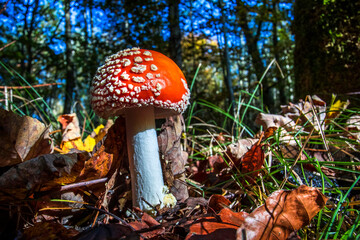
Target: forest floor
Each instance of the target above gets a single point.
(296, 178)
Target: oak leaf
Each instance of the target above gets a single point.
(22, 138)
(283, 213)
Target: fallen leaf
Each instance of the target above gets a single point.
(237, 150)
(71, 136)
(336, 109)
(269, 132)
(97, 135)
(283, 213)
(302, 112)
(228, 216)
(146, 222)
(23, 179)
(108, 231)
(252, 161)
(210, 229)
(22, 138)
(174, 158)
(218, 202)
(109, 156)
(277, 121)
(48, 231)
(216, 163)
(223, 226)
(69, 126)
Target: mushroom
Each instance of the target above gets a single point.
(141, 85)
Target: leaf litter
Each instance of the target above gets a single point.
(84, 192)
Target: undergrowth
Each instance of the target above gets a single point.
(340, 219)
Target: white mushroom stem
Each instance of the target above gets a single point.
(144, 162)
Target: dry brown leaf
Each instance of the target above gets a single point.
(218, 202)
(48, 231)
(283, 213)
(273, 120)
(69, 126)
(302, 112)
(223, 226)
(146, 222)
(237, 150)
(22, 138)
(21, 180)
(107, 231)
(252, 161)
(210, 229)
(71, 135)
(173, 157)
(108, 156)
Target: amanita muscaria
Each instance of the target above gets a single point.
(141, 85)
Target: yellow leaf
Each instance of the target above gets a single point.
(90, 142)
(73, 143)
(336, 108)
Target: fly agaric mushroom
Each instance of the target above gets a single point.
(141, 85)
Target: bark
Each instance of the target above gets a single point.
(70, 72)
(280, 80)
(253, 50)
(226, 60)
(175, 32)
(327, 54)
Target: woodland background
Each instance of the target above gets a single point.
(242, 60)
(230, 42)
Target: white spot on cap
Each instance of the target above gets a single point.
(147, 53)
(153, 67)
(149, 59)
(130, 86)
(158, 86)
(149, 76)
(124, 90)
(117, 71)
(134, 100)
(125, 76)
(137, 89)
(138, 59)
(138, 69)
(138, 79)
(126, 62)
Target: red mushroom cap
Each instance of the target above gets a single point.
(135, 78)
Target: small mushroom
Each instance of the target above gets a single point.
(141, 85)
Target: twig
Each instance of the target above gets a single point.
(297, 158)
(7, 44)
(33, 86)
(4, 7)
(111, 214)
(320, 129)
(82, 184)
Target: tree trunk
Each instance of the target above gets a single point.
(70, 73)
(280, 80)
(175, 32)
(226, 60)
(327, 55)
(253, 51)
